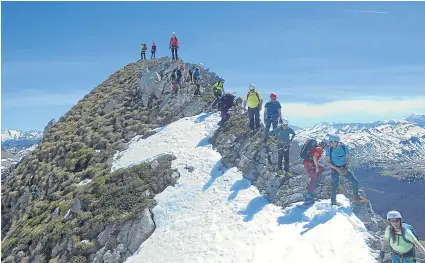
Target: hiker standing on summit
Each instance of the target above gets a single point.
(338, 157)
(402, 239)
(153, 50)
(174, 45)
(143, 53)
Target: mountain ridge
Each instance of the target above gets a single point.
(64, 202)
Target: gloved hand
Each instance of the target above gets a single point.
(382, 255)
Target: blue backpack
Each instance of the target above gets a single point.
(197, 72)
(406, 226)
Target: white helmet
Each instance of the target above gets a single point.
(174, 33)
(393, 215)
(251, 87)
(284, 121)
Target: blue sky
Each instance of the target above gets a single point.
(327, 61)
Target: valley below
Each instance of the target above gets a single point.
(390, 193)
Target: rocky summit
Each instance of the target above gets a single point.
(64, 203)
(50, 213)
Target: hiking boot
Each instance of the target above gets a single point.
(335, 203)
(280, 172)
(288, 174)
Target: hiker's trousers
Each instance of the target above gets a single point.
(335, 183)
(254, 118)
(314, 176)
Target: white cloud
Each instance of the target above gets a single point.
(359, 110)
(39, 99)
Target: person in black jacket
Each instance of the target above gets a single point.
(224, 104)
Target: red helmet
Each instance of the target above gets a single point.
(273, 96)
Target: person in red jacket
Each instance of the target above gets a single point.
(314, 169)
(174, 45)
(153, 50)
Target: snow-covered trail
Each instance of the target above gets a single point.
(211, 216)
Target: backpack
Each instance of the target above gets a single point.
(256, 93)
(343, 147)
(308, 146)
(407, 226)
(197, 72)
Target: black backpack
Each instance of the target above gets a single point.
(308, 146)
(226, 101)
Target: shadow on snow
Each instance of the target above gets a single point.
(218, 170)
(325, 213)
(239, 185)
(204, 142)
(254, 206)
(202, 118)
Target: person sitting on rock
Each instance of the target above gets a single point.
(176, 78)
(272, 114)
(402, 239)
(314, 169)
(339, 159)
(282, 135)
(224, 104)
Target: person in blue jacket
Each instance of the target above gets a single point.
(272, 114)
(338, 158)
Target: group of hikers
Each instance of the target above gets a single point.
(173, 46)
(193, 76)
(401, 236)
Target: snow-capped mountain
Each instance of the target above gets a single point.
(419, 119)
(15, 144)
(15, 141)
(382, 141)
(20, 135)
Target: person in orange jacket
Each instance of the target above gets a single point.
(174, 45)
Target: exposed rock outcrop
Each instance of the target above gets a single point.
(49, 214)
(244, 149)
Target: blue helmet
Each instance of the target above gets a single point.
(334, 138)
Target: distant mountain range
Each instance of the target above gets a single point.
(396, 145)
(397, 142)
